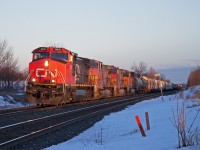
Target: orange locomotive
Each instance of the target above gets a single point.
(59, 76)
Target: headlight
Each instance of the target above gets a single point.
(53, 81)
(33, 80)
(46, 63)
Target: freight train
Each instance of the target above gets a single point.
(59, 76)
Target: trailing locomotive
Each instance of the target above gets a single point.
(59, 76)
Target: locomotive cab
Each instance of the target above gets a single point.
(49, 65)
(50, 70)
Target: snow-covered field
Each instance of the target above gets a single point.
(8, 102)
(119, 130)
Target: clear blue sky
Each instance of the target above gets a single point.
(163, 33)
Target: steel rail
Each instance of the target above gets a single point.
(68, 112)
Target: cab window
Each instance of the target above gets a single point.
(63, 57)
(113, 70)
(40, 55)
(93, 64)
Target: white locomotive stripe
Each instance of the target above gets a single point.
(45, 72)
(39, 75)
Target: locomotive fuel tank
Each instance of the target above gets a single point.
(121, 92)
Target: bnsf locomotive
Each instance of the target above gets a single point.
(59, 76)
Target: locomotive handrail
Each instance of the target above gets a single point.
(27, 80)
(63, 82)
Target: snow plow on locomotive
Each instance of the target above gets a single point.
(58, 76)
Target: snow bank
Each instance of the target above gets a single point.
(8, 102)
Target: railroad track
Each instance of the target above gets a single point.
(14, 116)
(28, 109)
(18, 132)
(17, 110)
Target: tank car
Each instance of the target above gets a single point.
(156, 85)
(140, 85)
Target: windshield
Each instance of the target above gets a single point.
(40, 55)
(60, 56)
(113, 70)
(126, 74)
(93, 64)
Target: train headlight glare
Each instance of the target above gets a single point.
(53, 81)
(33, 80)
(46, 63)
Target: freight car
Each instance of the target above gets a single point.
(59, 76)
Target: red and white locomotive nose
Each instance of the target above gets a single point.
(42, 68)
(43, 72)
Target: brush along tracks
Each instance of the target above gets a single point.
(73, 121)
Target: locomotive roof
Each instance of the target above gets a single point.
(124, 70)
(51, 49)
(89, 59)
(110, 66)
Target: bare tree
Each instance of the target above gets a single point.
(139, 69)
(3, 48)
(186, 136)
(25, 74)
(9, 69)
(151, 73)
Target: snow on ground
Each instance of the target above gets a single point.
(119, 130)
(8, 102)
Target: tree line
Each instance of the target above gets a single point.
(141, 69)
(194, 77)
(11, 77)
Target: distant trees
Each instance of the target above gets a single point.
(139, 69)
(10, 74)
(152, 73)
(194, 77)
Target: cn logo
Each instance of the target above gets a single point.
(41, 72)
